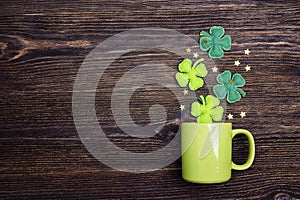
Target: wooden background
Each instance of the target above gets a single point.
(43, 44)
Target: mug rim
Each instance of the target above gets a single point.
(206, 123)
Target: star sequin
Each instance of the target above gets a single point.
(188, 50)
(247, 68)
(196, 55)
(214, 69)
(237, 63)
(182, 107)
(230, 116)
(185, 92)
(247, 52)
(243, 114)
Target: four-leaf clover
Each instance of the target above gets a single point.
(207, 110)
(191, 73)
(230, 86)
(214, 42)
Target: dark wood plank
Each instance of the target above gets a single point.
(43, 44)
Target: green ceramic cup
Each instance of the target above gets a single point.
(207, 150)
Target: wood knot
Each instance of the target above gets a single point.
(11, 47)
(282, 196)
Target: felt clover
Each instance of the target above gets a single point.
(207, 110)
(214, 42)
(191, 73)
(230, 86)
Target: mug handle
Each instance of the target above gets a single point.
(251, 149)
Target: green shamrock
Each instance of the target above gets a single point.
(191, 73)
(207, 110)
(214, 42)
(230, 86)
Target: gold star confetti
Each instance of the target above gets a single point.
(182, 107)
(237, 63)
(196, 55)
(230, 116)
(185, 92)
(243, 114)
(247, 68)
(247, 52)
(214, 69)
(188, 50)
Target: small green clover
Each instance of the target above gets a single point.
(230, 86)
(191, 73)
(214, 42)
(207, 110)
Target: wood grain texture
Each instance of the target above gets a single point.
(43, 44)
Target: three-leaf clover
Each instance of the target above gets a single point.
(229, 86)
(191, 74)
(214, 42)
(207, 110)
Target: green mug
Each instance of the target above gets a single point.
(207, 150)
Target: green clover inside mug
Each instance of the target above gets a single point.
(207, 110)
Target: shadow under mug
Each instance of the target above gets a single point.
(207, 152)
